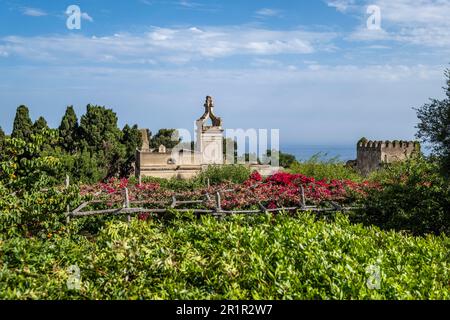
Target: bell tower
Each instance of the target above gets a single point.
(210, 137)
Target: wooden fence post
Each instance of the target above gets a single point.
(303, 199)
(67, 184)
(218, 205)
(127, 203)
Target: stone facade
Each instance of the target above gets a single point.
(371, 155)
(185, 163)
(210, 138)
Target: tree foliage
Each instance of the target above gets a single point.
(131, 139)
(25, 164)
(69, 131)
(167, 137)
(413, 196)
(23, 126)
(39, 125)
(92, 150)
(2, 138)
(434, 126)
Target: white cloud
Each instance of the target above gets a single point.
(266, 12)
(189, 4)
(87, 17)
(341, 5)
(33, 12)
(261, 62)
(169, 44)
(417, 22)
(322, 104)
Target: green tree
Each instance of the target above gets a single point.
(98, 128)
(2, 138)
(25, 164)
(131, 139)
(285, 160)
(39, 125)
(167, 137)
(101, 136)
(434, 126)
(69, 131)
(23, 126)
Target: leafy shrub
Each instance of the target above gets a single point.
(320, 169)
(255, 257)
(24, 164)
(413, 197)
(227, 173)
(36, 213)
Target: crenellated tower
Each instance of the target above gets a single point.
(371, 155)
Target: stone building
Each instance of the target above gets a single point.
(186, 163)
(371, 155)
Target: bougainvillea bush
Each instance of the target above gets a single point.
(279, 190)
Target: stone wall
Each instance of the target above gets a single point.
(371, 155)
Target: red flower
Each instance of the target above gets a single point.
(255, 176)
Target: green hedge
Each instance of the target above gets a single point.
(320, 168)
(228, 173)
(413, 196)
(263, 257)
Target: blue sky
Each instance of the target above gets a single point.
(310, 68)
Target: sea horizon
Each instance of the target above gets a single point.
(304, 152)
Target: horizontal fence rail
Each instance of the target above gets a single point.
(175, 204)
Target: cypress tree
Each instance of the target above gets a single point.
(101, 136)
(98, 128)
(68, 131)
(2, 138)
(2, 134)
(23, 126)
(39, 125)
(131, 139)
(167, 137)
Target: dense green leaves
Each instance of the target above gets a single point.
(228, 173)
(413, 196)
(40, 125)
(92, 151)
(434, 126)
(167, 137)
(69, 131)
(264, 257)
(2, 138)
(131, 139)
(25, 164)
(23, 126)
(327, 169)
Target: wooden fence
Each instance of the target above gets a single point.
(166, 206)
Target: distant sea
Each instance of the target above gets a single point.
(305, 152)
